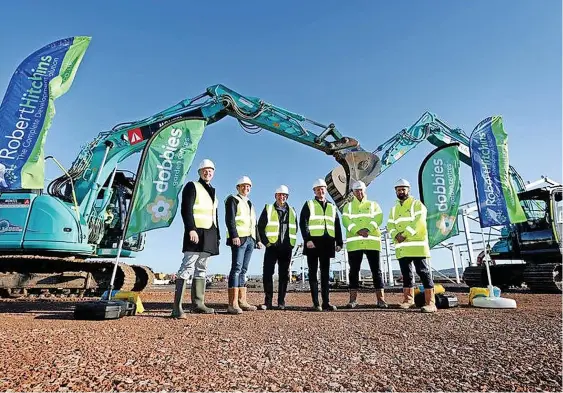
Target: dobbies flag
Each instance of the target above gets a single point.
(164, 165)
(440, 189)
(497, 200)
(27, 110)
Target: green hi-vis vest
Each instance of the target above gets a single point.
(245, 219)
(273, 225)
(319, 220)
(358, 215)
(204, 210)
(410, 219)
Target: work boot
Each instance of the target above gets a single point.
(408, 298)
(430, 301)
(242, 300)
(233, 307)
(198, 297)
(353, 296)
(379, 294)
(177, 311)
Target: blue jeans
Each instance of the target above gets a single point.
(240, 260)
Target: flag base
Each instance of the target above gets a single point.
(493, 302)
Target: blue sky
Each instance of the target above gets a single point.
(370, 67)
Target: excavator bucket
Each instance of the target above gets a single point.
(355, 165)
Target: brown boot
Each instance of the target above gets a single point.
(430, 301)
(379, 294)
(233, 302)
(408, 299)
(353, 296)
(242, 300)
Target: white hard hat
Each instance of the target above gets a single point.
(282, 190)
(244, 180)
(319, 183)
(402, 183)
(359, 185)
(206, 164)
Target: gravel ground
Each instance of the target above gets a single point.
(461, 349)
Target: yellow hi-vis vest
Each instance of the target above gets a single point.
(357, 215)
(204, 210)
(410, 219)
(245, 219)
(273, 225)
(320, 220)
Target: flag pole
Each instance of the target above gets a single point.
(128, 212)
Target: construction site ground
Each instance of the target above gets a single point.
(461, 349)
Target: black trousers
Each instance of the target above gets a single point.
(313, 263)
(421, 269)
(281, 256)
(355, 261)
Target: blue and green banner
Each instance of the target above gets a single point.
(27, 110)
(439, 185)
(165, 162)
(497, 200)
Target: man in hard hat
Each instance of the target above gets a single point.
(407, 228)
(201, 238)
(321, 232)
(362, 218)
(242, 237)
(278, 230)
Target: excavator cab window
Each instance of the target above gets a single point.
(117, 209)
(536, 207)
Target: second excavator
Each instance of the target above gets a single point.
(536, 242)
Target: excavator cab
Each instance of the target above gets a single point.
(355, 164)
(539, 237)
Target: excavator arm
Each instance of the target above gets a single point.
(427, 127)
(96, 164)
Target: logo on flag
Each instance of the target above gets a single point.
(28, 109)
(440, 190)
(135, 136)
(162, 171)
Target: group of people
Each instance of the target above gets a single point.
(276, 230)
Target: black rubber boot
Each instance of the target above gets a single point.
(198, 297)
(177, 311)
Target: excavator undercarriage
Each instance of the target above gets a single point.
(40, 275)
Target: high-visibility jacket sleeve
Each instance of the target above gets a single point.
(419, 222)
(377, 219)
(391, 226)
(347, 221)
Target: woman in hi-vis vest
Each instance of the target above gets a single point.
(243, 238)
(322, 236)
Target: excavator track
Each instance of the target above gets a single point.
(544, 278)
(503, 276)
(144, 278)
(27, 274)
